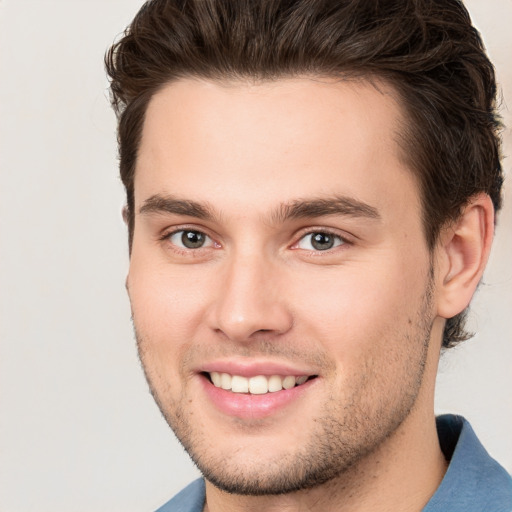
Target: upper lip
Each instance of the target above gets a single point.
(253, 368)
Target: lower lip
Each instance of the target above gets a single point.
(247, 406)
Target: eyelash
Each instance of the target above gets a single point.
(166, 237)
(325, 232)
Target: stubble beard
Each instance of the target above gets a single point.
(343, 436)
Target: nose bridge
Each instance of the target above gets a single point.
(250, 299)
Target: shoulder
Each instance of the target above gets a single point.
(474, 481)
(190, 499)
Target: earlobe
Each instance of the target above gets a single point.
(463, 251)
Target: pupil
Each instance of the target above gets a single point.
(322, 241)
(192, 239)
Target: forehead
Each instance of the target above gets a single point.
(263, 143)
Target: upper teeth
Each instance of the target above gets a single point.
(257, 385)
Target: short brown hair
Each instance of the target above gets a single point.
(427, 50)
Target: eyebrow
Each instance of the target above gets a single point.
(319, 207)
(170, 204)
(296, 209)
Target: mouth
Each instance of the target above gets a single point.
(258, 384)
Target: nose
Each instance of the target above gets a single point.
(250, 300)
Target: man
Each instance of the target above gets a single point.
(311, 194)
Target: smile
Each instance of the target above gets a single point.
(257, 385)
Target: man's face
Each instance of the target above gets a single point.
(278, 243)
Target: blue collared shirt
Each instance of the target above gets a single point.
(474, 481)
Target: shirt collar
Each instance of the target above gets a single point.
(474, 481)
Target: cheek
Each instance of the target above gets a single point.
(361, 313)
(163, 295)
(168, 308)
(346, 298)
(373, 332)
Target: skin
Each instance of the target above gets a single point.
(365, 316)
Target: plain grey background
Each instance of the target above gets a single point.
(79, 431)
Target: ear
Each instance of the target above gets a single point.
(462, 254)
(124, 213)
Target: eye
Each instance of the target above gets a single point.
(190, 239)
(319, 241)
